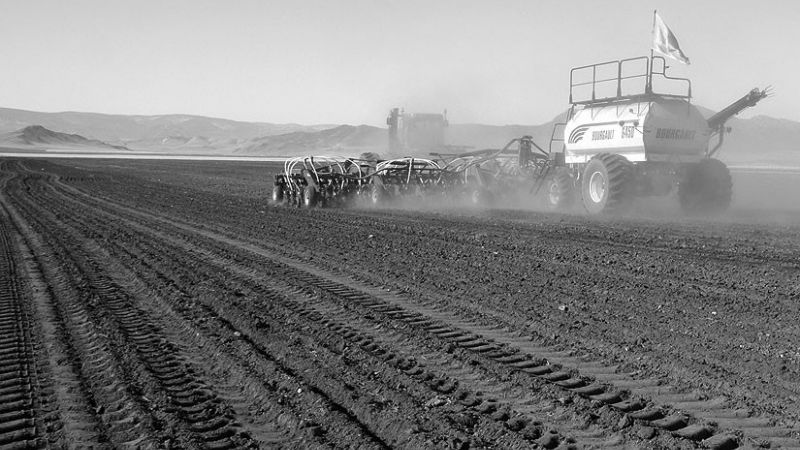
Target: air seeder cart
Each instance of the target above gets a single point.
(632, 131)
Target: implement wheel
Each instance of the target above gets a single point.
(706, 188)
(606, 184)
(378, 194)
(277, 194)
(480, 196)
(560, 190)
(310, 197)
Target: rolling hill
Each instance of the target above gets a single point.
(148, 132)
(345, 139)
(37, 136)
(756, 140)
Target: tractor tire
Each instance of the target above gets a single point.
(277, 194)
(606, 184)
(707, 187)
(560, 190)
(310, 197)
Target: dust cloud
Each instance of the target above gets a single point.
(766, 196)
(759, 197)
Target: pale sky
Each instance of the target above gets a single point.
(350, 61)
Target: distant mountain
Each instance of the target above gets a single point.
(147, 131)
(344, 139)
(763, 140)
(757, 140)
(39, 136)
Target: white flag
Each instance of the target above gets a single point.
(664, 40)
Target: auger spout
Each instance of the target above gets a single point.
(751, 99)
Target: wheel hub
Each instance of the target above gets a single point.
(555, 194)
(597, 187)
(476, 196)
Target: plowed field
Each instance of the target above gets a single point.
(158, 304)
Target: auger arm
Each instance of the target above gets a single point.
(752, 97)
(717, 121)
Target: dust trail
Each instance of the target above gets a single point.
(759, 197)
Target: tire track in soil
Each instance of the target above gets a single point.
(280, 370)
(229, 366)
(206, 424)
(125, 420)
(779, 389)
(756, 429)
(43, 399)
(516, 423)
(702, 431)
(691, 339)
(490, 408)
(401, 226)
(24, 420)
(312, 427)
(436, 380)
(557, 265)
(789, 388)
(279, 427)
(685, 415)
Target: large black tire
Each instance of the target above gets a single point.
(277, 194)
(707, 187)
(606, 185)
(560, 190)
(310, 197)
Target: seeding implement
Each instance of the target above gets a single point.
(319, 180)
(323, 181)
(478, 177)
(520, 167)
(631, 131)
(407, 176)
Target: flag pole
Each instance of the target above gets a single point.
(653, 33)
(652, 40)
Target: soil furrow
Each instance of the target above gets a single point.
(587, 331)
(196, 405)
(591, 390)
(178, 258)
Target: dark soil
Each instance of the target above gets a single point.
(194, 314)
